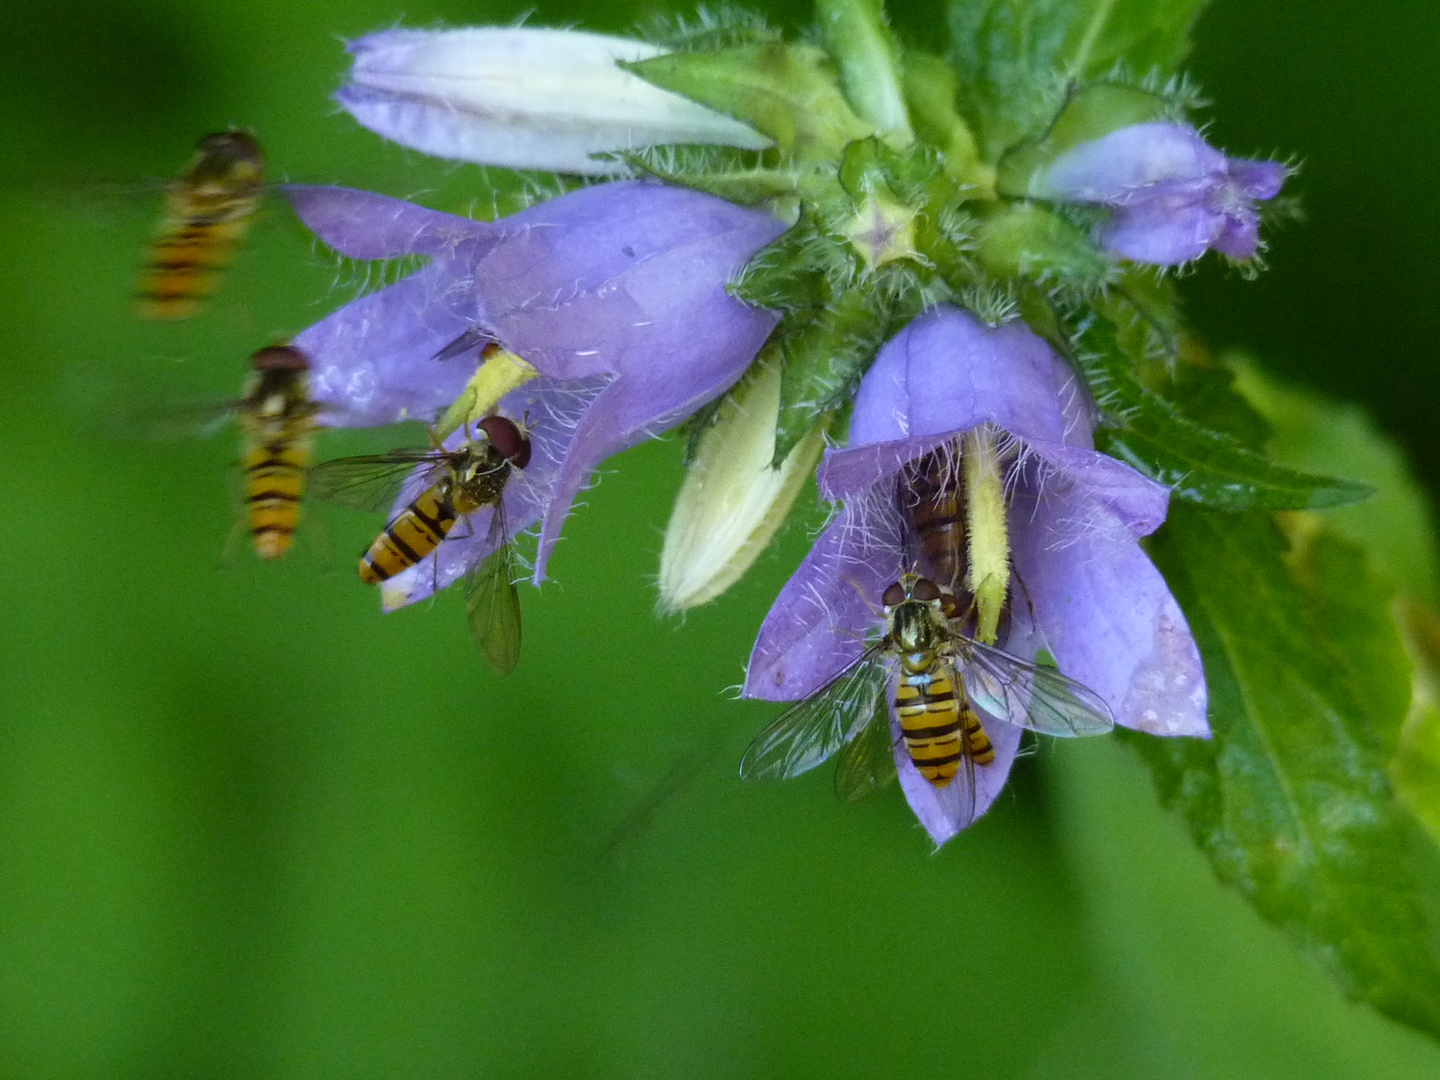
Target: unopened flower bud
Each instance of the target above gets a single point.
(734, 499)
(523, 97)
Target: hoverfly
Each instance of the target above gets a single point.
(453, 484)
(943, 681)
(207, 212)
(277, 424)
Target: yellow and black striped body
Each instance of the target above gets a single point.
(472, 478)
(939, 726)
(277, 420)
(206, 213)
(930, 495)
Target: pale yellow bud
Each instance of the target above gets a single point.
(733, 500)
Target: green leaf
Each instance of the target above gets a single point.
(789, 92)
(1015, 57)
(1201, 465)
(1397, 526)
(1308, 688)
(1415, 769)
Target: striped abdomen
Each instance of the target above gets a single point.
(934, 505)
(940, 729)
(415, 533)
(195, 243)
(274, 482)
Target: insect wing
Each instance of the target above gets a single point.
(867, 763)
(1027, 695)
(371, 482)
(492, 602)
(811, 730)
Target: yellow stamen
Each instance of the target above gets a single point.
(500, 372)
(989, 575)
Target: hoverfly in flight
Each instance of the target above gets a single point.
(277, 426)
(454, 484)
(207, 211)
(943, 681)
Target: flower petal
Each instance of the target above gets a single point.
(364, 225)
(373, 361)
(1139, 502)
(1106, 614)
(819, 622)
(1259, 180)
(947, 371)
(1111, 168)
(1162, 231)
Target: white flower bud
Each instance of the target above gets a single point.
(733, 500)
(523, 97)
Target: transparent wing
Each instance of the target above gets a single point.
(811, 730)
(867, 763)
(492, 602)
(1028, 695)
(368, 482)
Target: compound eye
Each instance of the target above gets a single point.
(505, 436)
(279, 358)
(925, 590)
(895, 594)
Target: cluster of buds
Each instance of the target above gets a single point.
(805, 249)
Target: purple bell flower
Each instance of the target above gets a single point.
(615, 294)
(1083, 588)
(1174, 196)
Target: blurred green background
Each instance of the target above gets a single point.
(249, 828)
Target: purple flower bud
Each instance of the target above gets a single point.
(522, 96)
(1083, 588)
(1174, 196)
(614, 293)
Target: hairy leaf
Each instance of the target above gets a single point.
(1202, 465)
(1015, 57)
(1308, 688)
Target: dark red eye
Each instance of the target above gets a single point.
(280, 358)
(925, 590)
(895, 594)
(505, 436)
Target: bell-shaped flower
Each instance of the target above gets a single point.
(1082, 587)
(1173, 195)
(614, 295)
(523, 97)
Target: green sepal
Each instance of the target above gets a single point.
(789, 92)
(800, 270)
(1308, 686)
(1016, 58)
(1200, 464)
(738, 176)
(857, 37)
(1089, 113)
(1030, 241)
(931, 90)
(824, 358)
